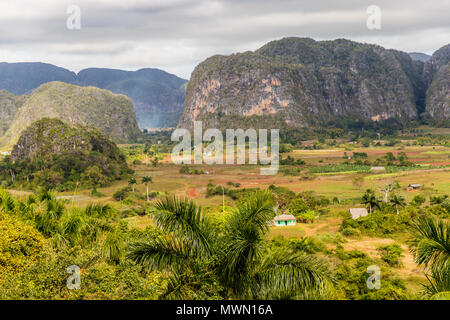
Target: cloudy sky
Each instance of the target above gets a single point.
(176, 35)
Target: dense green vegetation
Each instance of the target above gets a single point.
(53, 155)
(193, 255)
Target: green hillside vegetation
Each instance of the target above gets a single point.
(112, 114)
(9, 105)
(55, 155)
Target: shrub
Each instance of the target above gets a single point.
(391, 254)
(307, 216)
(418, 200)
(121, 194)
(351, 232)
(20, 245)
(297, 207)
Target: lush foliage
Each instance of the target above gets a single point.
(56, 156)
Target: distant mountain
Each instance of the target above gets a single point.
(419, 56)
(112, 114)
(21, 78)
(158, 96)
(437, 75)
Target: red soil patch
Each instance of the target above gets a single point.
(192, 193)
(440, 163)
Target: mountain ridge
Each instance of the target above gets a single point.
(301, 82)
(157, 95)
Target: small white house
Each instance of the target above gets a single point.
(285, 220)
(358, 212)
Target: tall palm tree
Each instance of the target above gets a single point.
(193, 252)
(132, 182)
(431, 248)
(146, 180)
(370, 200)
(397, 202)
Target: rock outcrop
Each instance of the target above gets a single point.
(112, 114)
(300, 82)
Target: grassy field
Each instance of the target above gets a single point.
(168, 179)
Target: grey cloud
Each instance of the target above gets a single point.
(178, 34)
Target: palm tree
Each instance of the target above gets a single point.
(114, 245)
(193, 252)
(397, 201)
(7, 202)
(387, 189)
(146, 180)
(431, 248)
(132, 182)
(370, 200)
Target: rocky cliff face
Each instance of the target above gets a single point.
(300, 82)
(110, 113)
(440, 58)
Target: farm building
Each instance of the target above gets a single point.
(285, 220)
(414, 186)
(377, 169)
(358, 212)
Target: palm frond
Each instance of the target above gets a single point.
(98, 210)
(114, 245)
(432, 243)
(7, 202)
(184, 219)
(438, 283)
(257, 209)
(179, 287)
(161, 253)
(244, 239)
(287, 275)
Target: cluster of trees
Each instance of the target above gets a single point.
(428, 225)
(186, 170)
(232, 259)
(439, 204)
(389, 159)
(63, 172)
(289, 161)
(125, 192)
(42, 236)
(188, 255)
